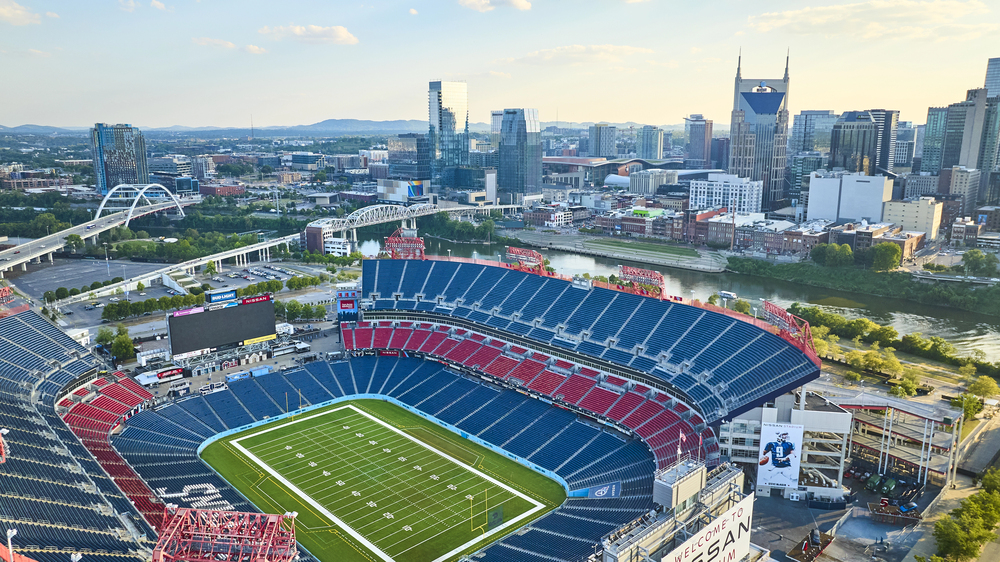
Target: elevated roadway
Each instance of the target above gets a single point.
(40, 248)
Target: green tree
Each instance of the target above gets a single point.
(104, 335)
(885, 256)
(984, 387)
(991, 480)
(890, 363)
(319, 311)
(122, 348)
(74, 292)
(967, 372)
(292, 310)
(855, 359)
(742, 306)
(872, 361)
(140, 286)
(62, 292)
(819, 253)
(75, 242)
(210, 268)
(853, 376)
(319, 177)
(834, 348)
(960, 538)
(49, 296)
(969, 404)
(978, 263)
(95, 285)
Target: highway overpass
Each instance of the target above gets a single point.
(40, 248)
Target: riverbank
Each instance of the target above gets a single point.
(898, 285)
(663, 255)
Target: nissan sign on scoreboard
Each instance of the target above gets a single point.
(725, 539)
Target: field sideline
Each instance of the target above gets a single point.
(372, 481)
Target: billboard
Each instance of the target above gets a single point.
(221, 296)
(224, 328)
(727, 538)
(780, 455)
(612, 490)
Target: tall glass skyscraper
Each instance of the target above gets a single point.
(649, 144)
(520, 152)
(993, 77)
(933, 145)
(759, 134)
(448, 134)
(409, 157)
(119, 156)
(698, 142)
(811, 131)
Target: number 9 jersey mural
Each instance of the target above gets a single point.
(780, 455)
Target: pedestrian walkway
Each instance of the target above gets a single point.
(926, 545)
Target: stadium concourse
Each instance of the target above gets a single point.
(595, 385)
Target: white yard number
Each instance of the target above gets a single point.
(468, 497)
(347, 427)
(356, 493)
(288, 448)
(407, 528)
(299, 455)
(402, 459)
(339, 482)
(452, 487)
(359, 434)
(435, 477)
(387, 515)
(417, 467)
(312, 465)
(373, 442)
(372, 504)
(386, 450)
(325, 473)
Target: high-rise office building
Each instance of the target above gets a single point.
(496, 124)
(931, 158)
(649, 144)
(448, 134)
(409, 157)
(886, 126)
(759, 133)
(811, 130)
(854, 143)
(993, 77)
(972, 136)
(603, 139)
(119, 156)
(720, 153)
(697, 142)
(520, 169)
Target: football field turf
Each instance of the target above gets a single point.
(388, 486)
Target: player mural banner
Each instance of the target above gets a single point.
(612, 490)
(780, 455)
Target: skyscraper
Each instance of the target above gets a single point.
(854, 143)
(759, 133)
(993, 77)
(520, 170)
(649, 145)
(931, 158)
(886, 127)
(448, 134)
(119, 156)
(698, 142)
(409, 157)
(811, 130)
(602, 141)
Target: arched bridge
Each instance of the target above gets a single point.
(376, 214)
(129, 196)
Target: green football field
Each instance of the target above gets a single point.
(371, 481)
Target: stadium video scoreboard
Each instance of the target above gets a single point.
(222, 323)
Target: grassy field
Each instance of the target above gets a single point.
(673, 251)
(371, 480)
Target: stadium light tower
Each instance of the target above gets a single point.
(10, 545)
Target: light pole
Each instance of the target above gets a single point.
(106, 262)
(10, 546)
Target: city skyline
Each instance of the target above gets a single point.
(286, 64)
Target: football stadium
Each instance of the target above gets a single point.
(480, 410)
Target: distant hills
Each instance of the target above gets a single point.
(328, 127)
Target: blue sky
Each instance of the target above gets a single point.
(214, 62)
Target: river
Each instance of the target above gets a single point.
(965, 330)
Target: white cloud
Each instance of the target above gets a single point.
(499, 74)
(312, 34)
(160, 6)
(936, 20)
(666, 64)
(15, 14)
(579, 54)
(37, 53)
(487, 5)
(255, 50)
(209, 42)
(695, 50)
(52, 15)
(128, 5)
(413, 11)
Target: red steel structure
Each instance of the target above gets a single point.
(3, 446)
(527, 260)
(191, 535)
(403, 247)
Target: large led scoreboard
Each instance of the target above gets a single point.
(221, 325)
(347, 303)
